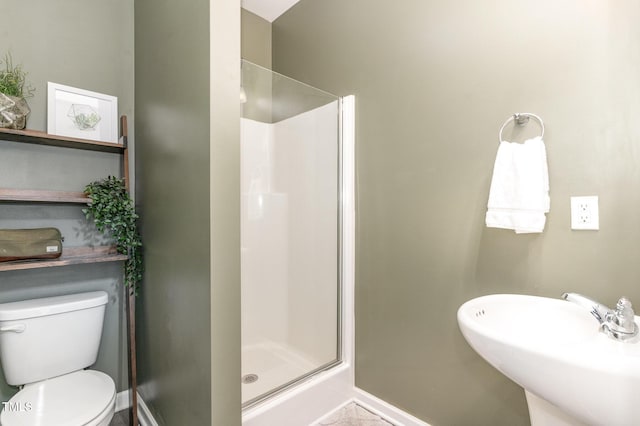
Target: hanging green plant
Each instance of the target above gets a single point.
(113, 212)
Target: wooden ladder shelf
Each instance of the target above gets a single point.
(78, 255)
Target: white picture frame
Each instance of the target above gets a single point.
(81, 114)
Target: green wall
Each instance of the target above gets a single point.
(187, 113)
(224, 215)
(89, 45)
(188, 310)
(255, 39)
(434, 81)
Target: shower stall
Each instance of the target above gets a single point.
(298, 254)
(291, 233)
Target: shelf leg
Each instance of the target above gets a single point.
(131, 331)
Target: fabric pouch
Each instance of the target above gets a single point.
(23, 244)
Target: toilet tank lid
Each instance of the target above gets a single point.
(51, 305)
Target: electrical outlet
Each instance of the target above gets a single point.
(584, 213)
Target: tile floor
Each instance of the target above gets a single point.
(121, 418)
(354, 415)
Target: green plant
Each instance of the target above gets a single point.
(13, 79)
(86, 121)
(113, 212)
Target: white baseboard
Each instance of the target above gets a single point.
(145, 418)
(123, 402)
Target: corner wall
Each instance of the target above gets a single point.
(224, 214)
(188, 330)
(434, 82)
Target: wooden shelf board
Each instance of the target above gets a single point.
(30, 195)
(70, 256)
(42, 138)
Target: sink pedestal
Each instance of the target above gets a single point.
(543, 413)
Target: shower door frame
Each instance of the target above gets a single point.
(333, 382)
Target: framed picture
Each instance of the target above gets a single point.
(79, 113)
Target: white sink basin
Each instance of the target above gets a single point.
(571, 372)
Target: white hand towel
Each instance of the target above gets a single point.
(519, 194)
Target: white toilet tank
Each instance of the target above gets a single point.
(48, 337)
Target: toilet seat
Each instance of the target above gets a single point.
(82, 398)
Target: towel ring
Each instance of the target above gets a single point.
(520, 118)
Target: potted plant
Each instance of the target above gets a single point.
(113, 213)
(13, 93)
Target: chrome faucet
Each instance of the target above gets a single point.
(618, 324)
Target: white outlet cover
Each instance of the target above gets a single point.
(584, 213)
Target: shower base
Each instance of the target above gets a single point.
(267, 366)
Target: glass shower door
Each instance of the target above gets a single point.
(290, 232)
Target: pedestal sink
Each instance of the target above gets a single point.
(572, 373)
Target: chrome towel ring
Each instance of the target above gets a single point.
(521, 118)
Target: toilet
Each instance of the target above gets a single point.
(45, 346)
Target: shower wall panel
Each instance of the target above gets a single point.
(289, 184)
(306, 164)
(264, 241)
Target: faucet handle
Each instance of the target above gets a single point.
(621, 322)
(624, 310)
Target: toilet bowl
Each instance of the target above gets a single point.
(45, 345)
(86, 398)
